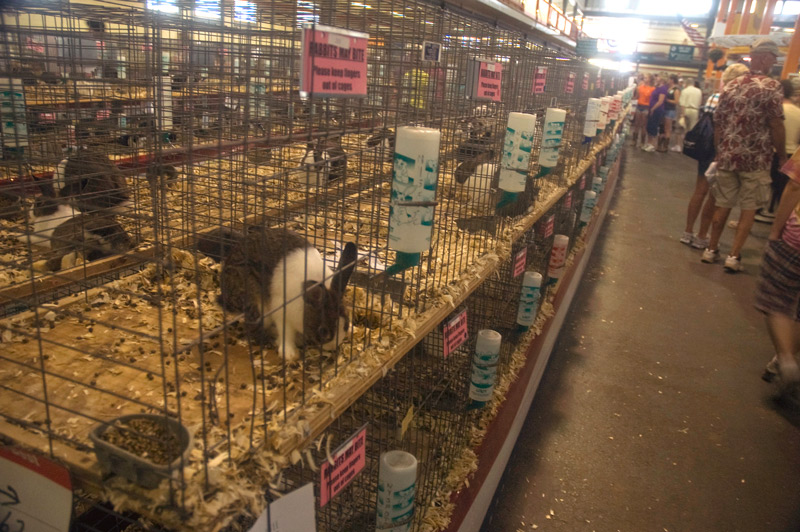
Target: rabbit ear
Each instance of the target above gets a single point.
(347, 264)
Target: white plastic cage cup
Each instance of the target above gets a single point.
(484, 366)
(397, 481)
(552, 131)
(414, 178)
(592, 117)
(529, 300)
(558, 258)
(589, 201)
(597, 185)
(602, 122)
(13, 113)
(517, 151)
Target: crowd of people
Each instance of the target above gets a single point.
(756, 130)
(664, 102)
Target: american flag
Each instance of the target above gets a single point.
(693, 34)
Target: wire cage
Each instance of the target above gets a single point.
(195, 252)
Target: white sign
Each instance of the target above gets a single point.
(35, 493)
(294, 512)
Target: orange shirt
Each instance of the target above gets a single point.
(644, 94)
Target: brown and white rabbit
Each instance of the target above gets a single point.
(323, 162)
(284, 288)
(91, 236)
(91, 182)
(48, 213)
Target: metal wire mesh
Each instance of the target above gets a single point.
(142, 149)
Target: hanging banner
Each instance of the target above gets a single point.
(484, 80)
(539, 80)
(570, 87)
(334, 62)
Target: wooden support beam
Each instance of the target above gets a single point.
(731, 20)
(744, 20)
(766, 19)
(722, 12)
(792, 58)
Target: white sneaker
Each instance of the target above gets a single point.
(733, 264)
(676, 148)
(699, 243)
(733, 224)
(710, 256)
(687, 238)
(649, 148)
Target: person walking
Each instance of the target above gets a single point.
(656, 116)
(778, 288)
(791, 122)
(702, 186)
(690, 102)
(644, 90)
(670, 109)
(748, 126)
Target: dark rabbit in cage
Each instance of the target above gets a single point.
(91, 182)
(480, 137)
(324, 161)
(285, 290)
(88, 236)
(479, 175)
(384, 141)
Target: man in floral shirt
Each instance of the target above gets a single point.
(748, 128)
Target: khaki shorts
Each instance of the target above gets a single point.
(746, 190)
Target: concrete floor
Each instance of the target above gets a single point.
(651, 415)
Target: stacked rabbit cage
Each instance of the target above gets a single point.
(201, 287)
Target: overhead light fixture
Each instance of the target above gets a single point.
(695, 25)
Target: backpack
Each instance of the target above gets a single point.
(698, 143)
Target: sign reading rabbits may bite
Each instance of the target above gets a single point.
(484, 80)
(334, 62)
(348, 461)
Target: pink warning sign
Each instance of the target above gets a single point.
(570, 87)
(348, 461)
(539, 80)
(455, 333)
(489, 81)
(520, 259)
(334, 62)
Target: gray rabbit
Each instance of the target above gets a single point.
(89, 236)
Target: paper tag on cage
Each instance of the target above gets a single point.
(406, 423)
(294, 512)
(568, 200)
(520, 260)
(585, 85)
(455, 333)
(582, 184)
(545, 227)
(539, 80)
(570, 87)
(348, 461)
(333, 62)
(29, 484)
